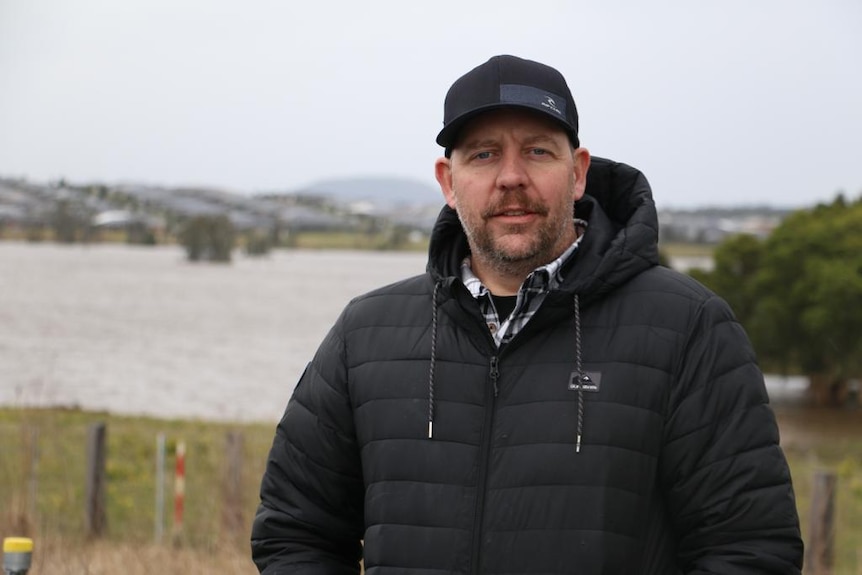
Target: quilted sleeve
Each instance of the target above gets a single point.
(310, 516)
(727, 483)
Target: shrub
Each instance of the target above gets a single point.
(208, 238)
(257, 244)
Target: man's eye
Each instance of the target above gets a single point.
(482, 155)
(538, 151)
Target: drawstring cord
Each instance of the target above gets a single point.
(433, 361)
(581, 376)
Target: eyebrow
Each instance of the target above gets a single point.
(478, 144)
(540, 138)
(472, 145)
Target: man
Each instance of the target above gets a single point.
(545, 399)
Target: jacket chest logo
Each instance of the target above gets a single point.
(586, 381)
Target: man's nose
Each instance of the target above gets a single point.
(512, 173)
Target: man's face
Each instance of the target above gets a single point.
(513, 178)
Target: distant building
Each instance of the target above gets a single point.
(712, 226)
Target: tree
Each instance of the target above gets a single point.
(737, 261)
(799, 293)
(257, 243)
(208, 238)
(70, 222)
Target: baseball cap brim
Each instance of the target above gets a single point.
(448, 136)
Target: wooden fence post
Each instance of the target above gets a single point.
(232, 516)
(33, 475)
(23, 515)
(160, 488)
(179, 492)
(820, 553)
(95, 515)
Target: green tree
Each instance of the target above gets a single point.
(811, 288)
(70, 222)
(258, 243)
(737, 261)
(208, 238)
(799, 293)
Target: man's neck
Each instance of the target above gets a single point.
(498, 282)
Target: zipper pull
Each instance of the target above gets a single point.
(495, 374)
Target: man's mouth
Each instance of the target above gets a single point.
(514, 212)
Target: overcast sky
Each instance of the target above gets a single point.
(719, 102)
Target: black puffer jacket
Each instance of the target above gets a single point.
(678, 470)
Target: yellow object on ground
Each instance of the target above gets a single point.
(17, 545)
(17, 555)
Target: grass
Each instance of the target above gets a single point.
(680, 249)
(42, 459)
(347, 240)
(316, 240)
(823, 439)
(42, 453)
(353, 240)
(61, 556)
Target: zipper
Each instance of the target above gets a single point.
(482, 486)
(495, 374)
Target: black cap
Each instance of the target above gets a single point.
(504, 82)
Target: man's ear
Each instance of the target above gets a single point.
(443, 173)
(581, 166)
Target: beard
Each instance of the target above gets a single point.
(519, 249)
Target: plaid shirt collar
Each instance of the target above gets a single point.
(529, 298)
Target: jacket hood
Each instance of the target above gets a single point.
(620, 242)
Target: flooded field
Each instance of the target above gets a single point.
(140, 330)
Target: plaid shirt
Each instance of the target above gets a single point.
(530, 296)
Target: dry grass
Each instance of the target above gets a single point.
(66, 557)
(50, 510)
(42, 493)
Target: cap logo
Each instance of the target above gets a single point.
(549, 103)
(533, 98)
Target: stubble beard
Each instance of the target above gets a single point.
(511, 252)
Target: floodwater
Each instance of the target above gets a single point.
(140, 330)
